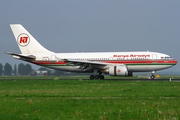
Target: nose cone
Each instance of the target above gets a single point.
(171, 63)
(175, 61)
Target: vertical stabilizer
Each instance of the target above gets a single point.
(26, 42)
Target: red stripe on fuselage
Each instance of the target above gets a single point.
(141, 62)
(114, 62)
(48, 62)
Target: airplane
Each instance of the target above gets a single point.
(96, 63)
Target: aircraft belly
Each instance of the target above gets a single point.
(147, 68)
(132, 68)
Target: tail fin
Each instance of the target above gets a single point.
(26, 42)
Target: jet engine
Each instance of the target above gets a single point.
(118, 70)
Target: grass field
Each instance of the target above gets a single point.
(88, 99)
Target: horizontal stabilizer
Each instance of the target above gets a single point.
(22, 57)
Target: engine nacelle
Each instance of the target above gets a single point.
(119, 70)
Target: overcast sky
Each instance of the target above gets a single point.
(94, 25)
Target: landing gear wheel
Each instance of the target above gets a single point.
(92, 77)
(152, 77)
(96, 77)
(101, 77)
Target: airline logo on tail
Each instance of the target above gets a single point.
(23, 40)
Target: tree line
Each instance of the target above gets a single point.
(26, 69)
(21, 69)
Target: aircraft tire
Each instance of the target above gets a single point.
(92, 77)
(101, 77)
(152, 77)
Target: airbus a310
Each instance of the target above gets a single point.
(97, 63)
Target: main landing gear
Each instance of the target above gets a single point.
(95, 76)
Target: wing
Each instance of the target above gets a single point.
(86, 64)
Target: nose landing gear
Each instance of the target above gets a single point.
(152, 76)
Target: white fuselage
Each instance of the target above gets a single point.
(135, 61)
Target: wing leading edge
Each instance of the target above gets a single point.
(87, 65)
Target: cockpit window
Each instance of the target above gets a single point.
(168, 57)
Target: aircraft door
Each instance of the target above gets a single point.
(53, 57)
(154, 56)
(110, 58)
